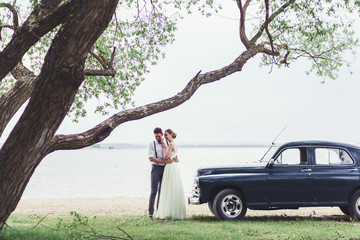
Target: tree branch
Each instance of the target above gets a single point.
(101, 72)
(270, 19)
(112, 58)
(284, 60)
(11, 101)
(242, 31)
(14, 12)
(7, 26)
(267, 51)
(247, 3)
(100, 59)
(36, 26)
(267, 24)
(103, 130)
(107, 65)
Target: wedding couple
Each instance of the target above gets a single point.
(165, 177)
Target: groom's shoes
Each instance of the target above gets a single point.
(151, 217)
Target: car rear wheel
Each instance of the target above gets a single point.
(229, 204)
(345, 210)
(354, 206)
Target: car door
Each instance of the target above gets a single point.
(290, 179)
(335, 175)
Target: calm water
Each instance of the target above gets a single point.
(101, 173)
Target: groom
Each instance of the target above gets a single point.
(156, 157)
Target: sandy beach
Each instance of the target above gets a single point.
(127, 206)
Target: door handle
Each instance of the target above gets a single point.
(353, 170)
(306, 170)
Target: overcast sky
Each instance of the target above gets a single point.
(249, 107)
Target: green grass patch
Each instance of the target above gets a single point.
(76, 226)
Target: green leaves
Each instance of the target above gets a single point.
(139, 34)
(79, 227)
(320, 31)
(139, 31)
(6, 84)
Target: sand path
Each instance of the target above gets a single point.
(127, 206)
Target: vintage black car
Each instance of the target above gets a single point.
(290, 175)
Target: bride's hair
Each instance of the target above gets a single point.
(171, 132)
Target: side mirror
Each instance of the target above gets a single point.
(271, 163)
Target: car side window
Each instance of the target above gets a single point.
(332, 156)
(289, 157)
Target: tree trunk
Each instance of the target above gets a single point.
(58, 82)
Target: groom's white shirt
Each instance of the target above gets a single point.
(159, 151)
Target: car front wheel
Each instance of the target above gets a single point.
(354, 206)
(229, 204)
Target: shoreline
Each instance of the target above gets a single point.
(119, 206)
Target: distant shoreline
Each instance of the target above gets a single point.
(125, 145)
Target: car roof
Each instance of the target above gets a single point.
(328, 143)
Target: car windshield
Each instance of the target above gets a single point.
(268, 154)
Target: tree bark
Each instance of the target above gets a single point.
(11, 101)
(59, 80)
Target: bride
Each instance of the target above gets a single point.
(172, 198)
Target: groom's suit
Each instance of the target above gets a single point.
(157, 170)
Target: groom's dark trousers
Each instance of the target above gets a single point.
(156, 177)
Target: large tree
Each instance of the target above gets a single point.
(82, 49)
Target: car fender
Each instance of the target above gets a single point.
(251, 185)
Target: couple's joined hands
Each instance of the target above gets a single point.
(171, 160)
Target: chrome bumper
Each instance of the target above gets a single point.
(194, 200)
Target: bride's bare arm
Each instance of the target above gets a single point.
(168, 152)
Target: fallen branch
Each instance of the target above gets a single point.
(40, 221)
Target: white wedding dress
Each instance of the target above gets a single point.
(172, 198)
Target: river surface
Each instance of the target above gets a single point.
(104, 173)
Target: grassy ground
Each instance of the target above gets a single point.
(75, 226)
